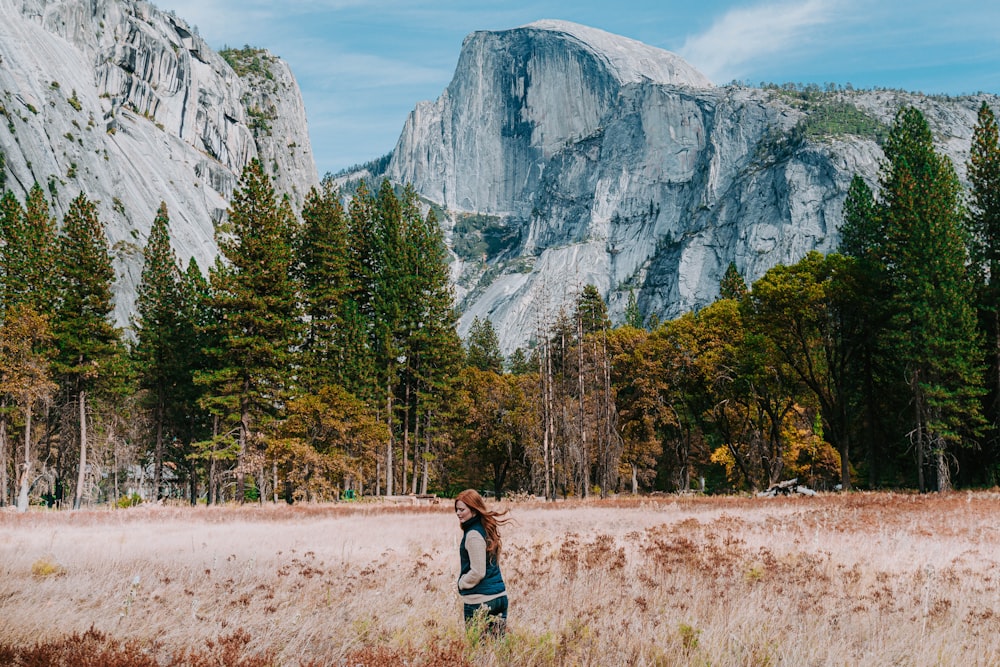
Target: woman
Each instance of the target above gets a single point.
(480, 583)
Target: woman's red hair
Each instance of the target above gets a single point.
(490, 518)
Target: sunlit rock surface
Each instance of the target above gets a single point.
(128, 104)
(602, 160)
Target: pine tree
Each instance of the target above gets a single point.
(984, 225)
(190, 421)
(484, 346)
(633, 316)
(217, 387)
(256, 300)
(321, 251)
(732, 285)
(591, 310)
(159, 351)
(861, 235)
(434, 348)
(934, 324)
(86, 339)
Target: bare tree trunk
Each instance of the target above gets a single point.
(406, 435)
(212, 497)
(274, 479)
(943, 473)
(581, 403)
(427, 456)
(5, 455)
(81, 477)
(918, 408)
(635, 481)
(388, 447)
(546, 375)
(22, 496)
(416, 450)
(158, 452)
(241, 479)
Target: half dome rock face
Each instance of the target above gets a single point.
(631, 61)
(129, 105)
(568, 156)
(519, 97)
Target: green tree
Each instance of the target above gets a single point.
(861, 235)
(591, 310)
(86, 339)
(866, 315)
(983, 216)
(934, 324)
(29, 236)
(255, 297)
(329, 342)
(483, 346)
(432, 347)
(732, 285)
(160, 348)
(633, 316)
(192, 423)
(491, 433)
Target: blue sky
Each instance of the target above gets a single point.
(363, 65)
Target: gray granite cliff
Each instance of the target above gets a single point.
(566, 156)
(128, 104)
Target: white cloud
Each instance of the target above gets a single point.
(744, 35)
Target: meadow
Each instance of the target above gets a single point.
(851, 579)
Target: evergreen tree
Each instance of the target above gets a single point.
(592, 311)
(484, 346)
(190, 421)
(732, 285)
(984, 225)
(159, 351)
(85, 337)
(27, 284)
(934, 324)
(217, 385)
(866, 316)
(323, 268)
(633, 316)
(256, 300)
(29, 251)
(434, 347)
(861, 235)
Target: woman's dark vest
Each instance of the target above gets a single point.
(492, 581)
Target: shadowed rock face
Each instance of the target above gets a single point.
(617, 164)
(129, 105)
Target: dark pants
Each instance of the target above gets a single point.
(496, 615)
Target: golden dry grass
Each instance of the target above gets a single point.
(855, 579)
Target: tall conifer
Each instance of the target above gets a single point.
(984, 226)
(85, 336)
(256, 300)
(934, 324)
(322, 257)
(158, 351)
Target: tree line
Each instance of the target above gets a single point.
(318, 357)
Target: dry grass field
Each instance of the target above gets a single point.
(854, 579)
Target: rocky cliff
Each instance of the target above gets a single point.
(567, 156)
(127, 104)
